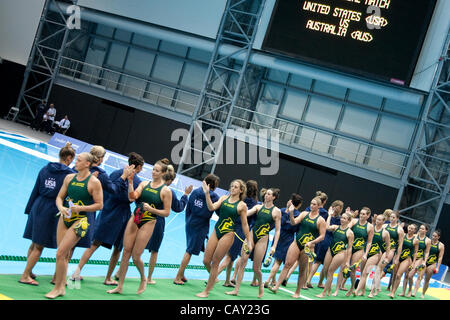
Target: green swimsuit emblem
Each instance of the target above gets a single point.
(263, 224)
(228, 215)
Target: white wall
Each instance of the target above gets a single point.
(19, 20)
(432, 47)
(201, 17)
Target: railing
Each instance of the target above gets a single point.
(130, 86)
(293, 134)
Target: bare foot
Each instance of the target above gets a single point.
(296, 295)
(273, 290)
(55, 293)
(150, 281)
(110, 282)
(115, 290)
(336, 293)
(401, 294)
(321, 286)
(409, 295)
(202, 294)
(261, 291)
(142, 286)
(232, 293)
(320, 295)
(349, 293)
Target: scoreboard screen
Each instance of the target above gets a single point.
(378, 39)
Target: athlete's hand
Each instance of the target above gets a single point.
(291, 208)
(65, 212)
(147, 207)
(272, 250)
(95, 174)
(205, 187)
(76, 209)
(188, 190)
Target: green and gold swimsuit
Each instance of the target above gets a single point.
(152, 196)
(77, 192)
(307, 232)
(263, 224)
(228, 215)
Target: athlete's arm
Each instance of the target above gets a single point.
(242, 210)
(134, 194)
(166, 197)
(62, 194)
(369, 240)
(276, 214)
(211, 206)
(253, 210)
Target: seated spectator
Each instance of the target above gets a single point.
(62, 125)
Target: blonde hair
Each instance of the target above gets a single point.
(97, 152)
(242, 188)
(89, 158)
(387, 213)
(322, 195)
(318, 199)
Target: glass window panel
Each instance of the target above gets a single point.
(167, 69)
(117, 55)
(145, 41)
(122, 35)
(199, 55)
(277, 75)
(266, 113)
(365, 98)
(395, 131)
(350, 151)
(300, 82)
(133, 87)
(387, 161)
(104, 31)
(110, 80)
(186, 102)
(323, 112)
(329, 89)
(358, 122)
(272, 94)
(159, 95)
(402, 108)
(173, 48)
(194, 75)
(96, 52)
(139, 61)
(294, 104)
(322, 142)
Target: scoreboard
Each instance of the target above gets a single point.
(377, 39)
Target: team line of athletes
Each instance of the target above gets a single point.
(62, 215)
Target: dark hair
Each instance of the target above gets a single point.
(296, 199)
(275, 192)
(170, 173)
(438, 231)
(252, 189)
(136, 159)
(67, 151)
(212, 180)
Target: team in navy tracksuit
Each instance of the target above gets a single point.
(113, 219)
(197, 220)
(41, 207)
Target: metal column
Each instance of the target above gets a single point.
(426, 180)
(43, 64)
(228, 82)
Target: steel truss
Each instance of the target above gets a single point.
(426, 181)
(53, 36)
(228, 83)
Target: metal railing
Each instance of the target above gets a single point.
(292, 134)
